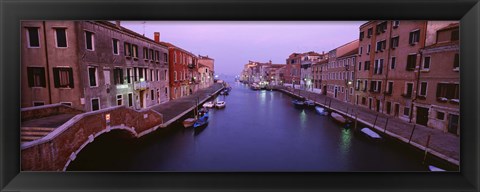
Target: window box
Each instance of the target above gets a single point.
(425, 70)
(442, 99)
(421, 97)
(135, 58)
(454, 101)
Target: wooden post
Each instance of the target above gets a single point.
(426, 149)
(330, 104)
(414, 126)
(386, 123)
(375, 122)
(356, 116)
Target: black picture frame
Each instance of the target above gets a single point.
(12, 12)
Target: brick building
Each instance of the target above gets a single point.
(91, 65)
(306, 76)
(318, 75)
(292, 70)
(205, 70)
(341, 62)
(183, 67)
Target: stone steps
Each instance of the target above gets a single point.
(33, 133)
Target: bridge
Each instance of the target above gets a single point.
(53, 135)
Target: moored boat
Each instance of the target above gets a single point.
(434, 169)
(370, 133)
(321, 110)
(339, 118)
(209, 104)
(298, 103)
(220, 104)
(309, 103)
(201, 122)
(188, 122)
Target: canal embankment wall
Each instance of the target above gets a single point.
(437, 145)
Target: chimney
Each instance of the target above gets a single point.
(117, 23)
(156, 36)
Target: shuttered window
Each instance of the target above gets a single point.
(36, 76)
(63, 77)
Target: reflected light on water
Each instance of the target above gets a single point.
(345, 142)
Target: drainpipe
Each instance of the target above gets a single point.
(48, 66)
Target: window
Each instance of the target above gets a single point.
(63, 77)
(106, 76)
(381, 45)
(157, 56)
(361, 35)
(134, 51)
(351, 90)
(423, 89)
(145, 53)
(115, 46)
(151, 74)
(174, 57)
(440, 115)
(381, 27)
(389, 106)
(395, 24)
(127, 49)
(357, 86)
(378, 67)
(140, 74)
(61, 37)
(360, 50)
(92, 76)
(406, 111)
(448, 90)
(165, 57)
(129, 75)
(36, 77)
(368, 49)
(119, 99)
(364, 101)
(426, 63)
(411, 62)
(165, 75)
(118, 76)
(414, 37)
(394, 42)
(130, 99)
(175, 76)
(33, 37)
(365, 85)
(89, 40)
(367, 65)
(393, 63)
(157, 75)
(151, 54)
(455, 35)
(359, 66)
(152, 96)
(389, 87)
(95, 104)
(408, 90)
(456, 61)
(369, 32)
(135, 74)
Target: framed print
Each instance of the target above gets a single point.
(239, 95)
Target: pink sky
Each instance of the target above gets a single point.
(233, 43)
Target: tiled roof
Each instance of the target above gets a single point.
(451, 26)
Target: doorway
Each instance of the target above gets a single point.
(142, 98)
(396, 110)
(422, 116)
(336, 92)
(453, 122)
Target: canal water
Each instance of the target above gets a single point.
(256, 131)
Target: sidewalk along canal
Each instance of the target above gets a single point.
(175, 109)
(435, 142)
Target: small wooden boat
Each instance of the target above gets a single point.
(220, 104)
(371, 134)
(339, 118)
(188, 122)
(434, 169)
(309, 103)
(298, 103)
(321, 110)
(209, 104)
(201, 122)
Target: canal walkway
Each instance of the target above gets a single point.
(175, 109)
(441, 144)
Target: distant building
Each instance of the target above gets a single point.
(206, 70)
(306, 76)
(91, 65)
(292, 72)
(319, 76)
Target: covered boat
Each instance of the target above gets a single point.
(339, 118)
(220, 104)
(321, 110)
(298, 103)
(209, 104)
(309, 103)
(371, 134)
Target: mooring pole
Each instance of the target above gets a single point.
(414, 126)
(375, 122)
(386, 123)
(426, 149)
(356, 116)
